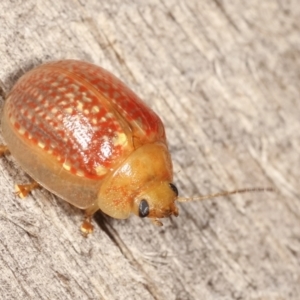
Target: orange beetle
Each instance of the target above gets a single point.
(82, 134)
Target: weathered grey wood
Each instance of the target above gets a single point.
(224, 77)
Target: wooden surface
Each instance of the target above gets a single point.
(224, 77)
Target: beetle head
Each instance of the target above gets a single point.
(156, 201)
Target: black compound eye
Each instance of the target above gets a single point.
(174, 189)
(144, 209)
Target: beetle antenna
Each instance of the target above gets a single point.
(225, 193)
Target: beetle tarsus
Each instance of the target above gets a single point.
(86, 227)
(22, 190)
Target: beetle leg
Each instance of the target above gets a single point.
(87, 226)
(22, 190)
(3, 150)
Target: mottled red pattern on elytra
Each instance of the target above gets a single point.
(145, 124)
(75, 111)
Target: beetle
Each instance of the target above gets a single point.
(82, 134)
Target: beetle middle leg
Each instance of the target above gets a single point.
(22, 190)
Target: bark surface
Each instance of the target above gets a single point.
(224, 77)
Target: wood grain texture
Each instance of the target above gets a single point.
(224, 77)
